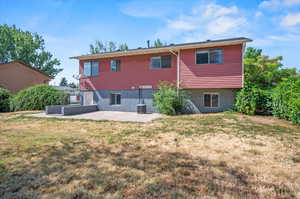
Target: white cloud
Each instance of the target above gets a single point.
(207, 21)
(148, 9)
(291, 19)
(278, 4)
(181, 25)
(224, 25)
(214, 10)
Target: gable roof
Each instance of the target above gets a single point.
(166, 48)
(27, 66)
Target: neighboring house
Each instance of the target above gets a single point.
(16, 76)
(212, 72)
(74, 95)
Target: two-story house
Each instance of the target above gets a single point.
(211, 71)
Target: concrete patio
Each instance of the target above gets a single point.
(106, 115)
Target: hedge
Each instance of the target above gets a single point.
(286, 99)
(37, 97)
(4, 100)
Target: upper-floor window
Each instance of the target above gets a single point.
(161, 61)
(115, 65)
(209, 56)
(91, 68)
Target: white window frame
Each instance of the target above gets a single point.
(90, 67)
(208, 51)
(211, 93)
(115, 60)
(115, 99)
(156, 57)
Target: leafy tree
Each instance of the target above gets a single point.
(167, 100)
(262, 71)
(112, 46)
(98, 47)
(262, 75)
(63, 82)
(37, 97)
(123, 47)
(286, 99)
(158, 43)
(4, 100)
(101, 47)
(27, 47)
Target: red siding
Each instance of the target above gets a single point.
(135, 71)
(226, 75)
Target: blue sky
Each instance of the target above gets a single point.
(69, 26)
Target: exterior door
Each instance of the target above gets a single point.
(88, 98)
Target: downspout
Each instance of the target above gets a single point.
(178, 69)
(243, 51)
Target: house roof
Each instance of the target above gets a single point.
(27, 66)
(166, 48)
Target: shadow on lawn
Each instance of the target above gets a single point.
(75, 169)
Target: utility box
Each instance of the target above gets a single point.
(141, 108)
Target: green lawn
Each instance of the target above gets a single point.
(193, 156)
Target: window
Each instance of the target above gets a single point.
(115, 65)
(115, 98)
(91, 68)
(209, 56)
(159, 62)
(211, 100)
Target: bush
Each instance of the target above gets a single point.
(166, 99)
(286, 100)
(251, 100)
(37, 97)
(4, 100)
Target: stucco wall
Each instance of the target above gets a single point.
(226, 99)
(130, 98)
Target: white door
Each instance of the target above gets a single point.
(88, 98)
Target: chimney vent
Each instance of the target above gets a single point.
(148, 43)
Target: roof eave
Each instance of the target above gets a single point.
(160, 50)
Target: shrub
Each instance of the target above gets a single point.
(37, 97)
(166, 99)
(286, 100)
(251, 100)
(4, 100)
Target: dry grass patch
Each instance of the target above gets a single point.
(207, 156)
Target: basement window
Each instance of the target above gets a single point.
(115, 98)
(211, 100)
(209, 56)
(159, 62)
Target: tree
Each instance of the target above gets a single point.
(123, 47)
(263, 71)
(63, 82)
(112, 46)
(102, 47)
(158, 43)
(27, 47)
(167, 100)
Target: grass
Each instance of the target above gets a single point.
(190, 156)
